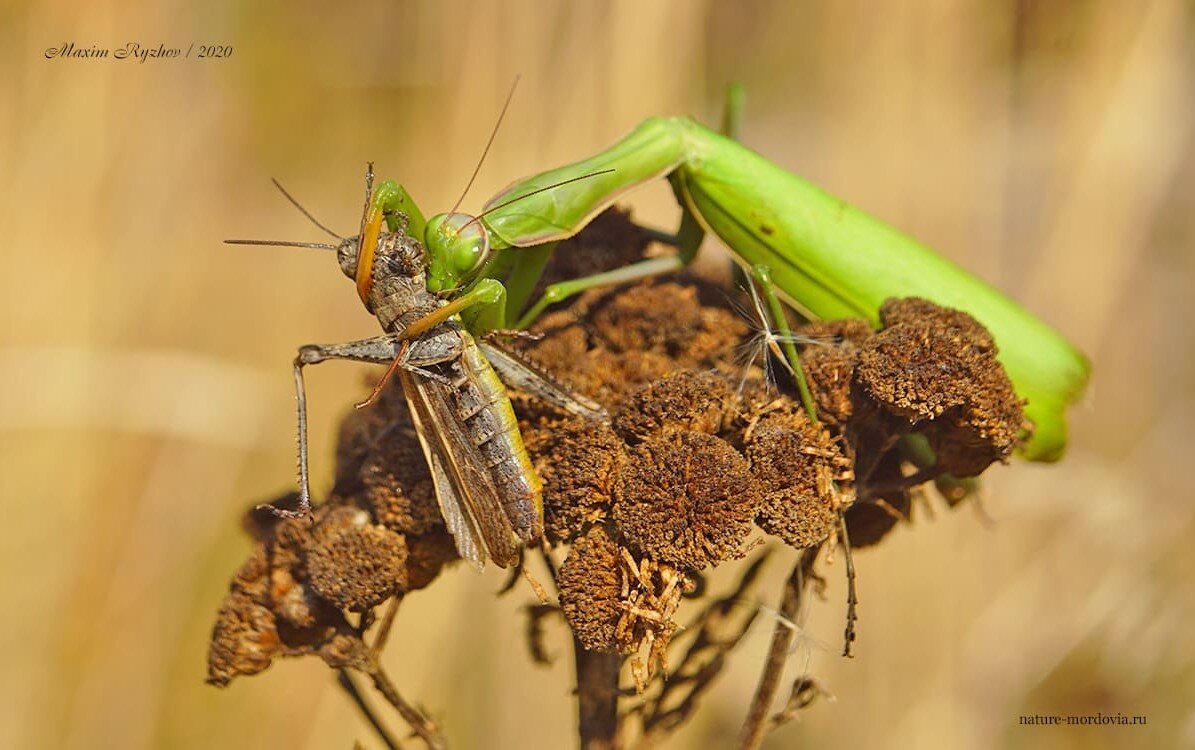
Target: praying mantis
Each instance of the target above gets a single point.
(826, 258)
(823, 257)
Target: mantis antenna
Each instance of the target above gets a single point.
(485, 152)
(537, 191)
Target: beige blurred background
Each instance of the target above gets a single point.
(145, 397)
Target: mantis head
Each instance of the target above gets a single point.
(457, 246)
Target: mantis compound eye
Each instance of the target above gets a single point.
(458, 246)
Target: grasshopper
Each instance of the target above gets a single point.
(488, 492)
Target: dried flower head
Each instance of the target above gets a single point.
(354, 564)
(591, 589)
(686, 400)
(803, 474)
(687, 499)
(616, 603)
(397, 487)
(244, 639)
(578, 464)
(937, 369)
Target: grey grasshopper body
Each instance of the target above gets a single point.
(488, 491)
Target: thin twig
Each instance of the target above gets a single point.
(350, 687)
(756, 724)
(421, 724)
(852, 597)
(379, 641)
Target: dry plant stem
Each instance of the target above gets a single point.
(350, 687)
(597, 698)
(421, 724)
(852, 596)
(756, 724)
(379, 641)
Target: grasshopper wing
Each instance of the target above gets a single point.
(469, 497)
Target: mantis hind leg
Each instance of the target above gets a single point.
(782, 345)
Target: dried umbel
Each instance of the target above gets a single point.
(802, 473)
(937, 368)
(701, 462)
(687, 499)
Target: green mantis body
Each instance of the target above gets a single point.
(827, 258)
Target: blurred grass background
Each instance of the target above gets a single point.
(146, 400)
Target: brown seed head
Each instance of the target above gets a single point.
(954, 324)
(397, 487)
(354, 564)
(692, 401)
(576, 459)
(591, 591)
(937, 369)
(649, 317)
(686, 499)
(244, 640)
(796, 464)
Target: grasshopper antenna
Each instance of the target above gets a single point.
(304, 211)
(485, 152)
(282, 243)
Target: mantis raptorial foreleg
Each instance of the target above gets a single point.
(687, 241)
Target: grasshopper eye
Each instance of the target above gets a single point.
(346, 255)
(458, 246)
